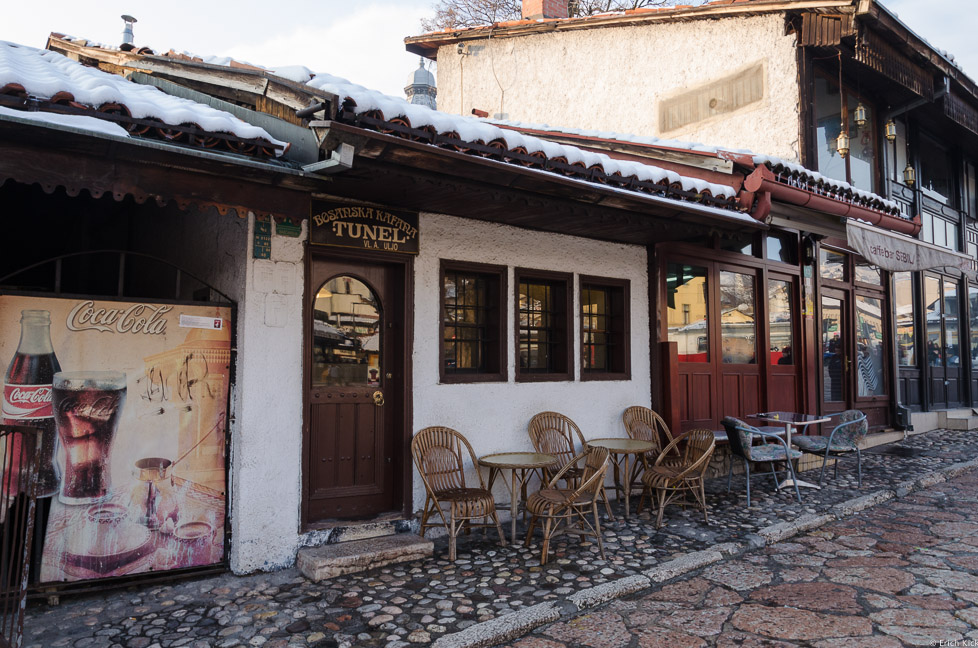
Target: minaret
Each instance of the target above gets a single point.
(421, 87)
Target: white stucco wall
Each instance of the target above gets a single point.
(611, 79)
(494, 416)
(266, 433)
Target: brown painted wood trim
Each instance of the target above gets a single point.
(626, 342)
(501, 275)
(407, 384)
(569, 333)
(669, 351)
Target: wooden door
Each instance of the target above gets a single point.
(943, 342)
(356, 334)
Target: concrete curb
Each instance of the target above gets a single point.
(511, 626)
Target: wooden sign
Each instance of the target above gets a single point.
(365, 228)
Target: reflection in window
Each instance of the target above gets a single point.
(857, 168)
(686, 291)
(905, 328)
(898, 161)
(870, 379)
(346, 334)
(936, 172)
(932, 297)
(868, 273)
(782, 247)
(831, 265)
(952, 349)
(737, 327)
(973, 300)
(779, 313)
(833, 351)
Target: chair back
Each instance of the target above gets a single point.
(645, 424)
(554, 433)
(595, 467)
(700, 445)
(851, 428)
(740, 436)
(438, 454)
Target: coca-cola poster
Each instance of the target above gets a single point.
(131, 398)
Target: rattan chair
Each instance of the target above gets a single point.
(555, 434)
(666, 480)
(565, 510)
(438, 453)
(842, 441)
(645, 424)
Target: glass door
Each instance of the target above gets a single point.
(943, 341)
(836, 389)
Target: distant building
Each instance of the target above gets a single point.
(421, 88)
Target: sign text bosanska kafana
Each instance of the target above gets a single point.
(365, 228)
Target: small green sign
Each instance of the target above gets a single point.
(262, 243)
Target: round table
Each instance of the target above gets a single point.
(620, 449)
(522, 466)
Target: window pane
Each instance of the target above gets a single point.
(899, 150)
(927, 227)
(541, 341)
(737, 327)
(906, 331)
(936, 174)
(346, 334)
(469, 323)
(833, 350)
(952, 350)
(952, 235)
(868, 273)
(932, 297)
(862, 143)
(870, 378)
(779, 301)
(831, 265)
(782, 247)
(828, 107)
(971, 190)
(973, 299)
(686, 291)
(740, 244)
(594, 328)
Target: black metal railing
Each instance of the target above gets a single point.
(19, 450)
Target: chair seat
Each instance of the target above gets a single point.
(479, 501)
(820, 443)
(544, 499)
(772, 452)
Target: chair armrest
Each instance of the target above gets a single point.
(570, 464)
(671, 447)
(771, 435)
(842, 425)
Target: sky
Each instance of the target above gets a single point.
(361, 40)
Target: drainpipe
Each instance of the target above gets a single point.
(762, 180)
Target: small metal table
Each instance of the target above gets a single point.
(620, 450)
(522, 466)
(790, 421)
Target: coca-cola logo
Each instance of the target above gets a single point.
(31, 396)
(138, 318)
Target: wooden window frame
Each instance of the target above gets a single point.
(619, 315)
(563, 320)
(496, 360)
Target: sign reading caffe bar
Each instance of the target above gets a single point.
(364, 228)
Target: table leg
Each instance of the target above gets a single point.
(792, 482)
(514, 505)
(628, 486)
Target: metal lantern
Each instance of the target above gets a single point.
(909, 176)
(860, 115)
(889, 129)
(842, 144)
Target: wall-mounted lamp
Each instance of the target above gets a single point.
(860, 115)
(889, 129)
(909, 175)
(842, 143)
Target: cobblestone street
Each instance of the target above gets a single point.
(423, 601)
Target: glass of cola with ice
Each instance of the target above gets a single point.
(87, 408)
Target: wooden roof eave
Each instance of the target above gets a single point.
(470, 171)
(427, 44)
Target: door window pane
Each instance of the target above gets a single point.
(932, 297)
(973, 300)
(870, 378)
(346, 334)
(686, 295)
(952, 350)
(833, 350)
(779, 301)
(831, 265)
(906, 330)
(737, 327)
(868, 273)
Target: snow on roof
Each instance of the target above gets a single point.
(814, 177)
(81, 122)
(474, 130)
(43, 74)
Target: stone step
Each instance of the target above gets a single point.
(331, 560)
(962, 423)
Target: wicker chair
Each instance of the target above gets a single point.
(774, 449)
(667, 480)
(842, 441)
(438, 453)
(559, 508)
(646, 425)
(555, 434)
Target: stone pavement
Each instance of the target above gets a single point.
(437, 601)
(903, 574)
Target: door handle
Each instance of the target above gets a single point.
(378, 398)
